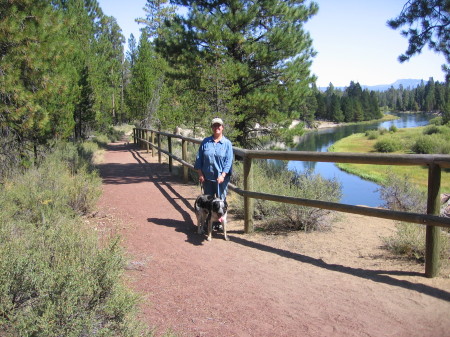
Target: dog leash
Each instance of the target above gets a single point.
(217, 184)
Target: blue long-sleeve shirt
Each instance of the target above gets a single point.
(214, 158)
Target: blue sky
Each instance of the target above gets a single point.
(351, 38)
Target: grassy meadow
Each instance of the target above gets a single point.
(404, 140)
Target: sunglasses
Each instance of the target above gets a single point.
(216, 125)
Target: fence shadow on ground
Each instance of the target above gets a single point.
(162, 181)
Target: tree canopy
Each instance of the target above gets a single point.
(428, 23)
(258, 51)
(64, 73)
(60, 71)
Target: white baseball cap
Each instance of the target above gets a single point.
(217, 120)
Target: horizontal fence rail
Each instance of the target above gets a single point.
(146, 139)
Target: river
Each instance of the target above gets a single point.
(355, 191)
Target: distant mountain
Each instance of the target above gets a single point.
(407, 83)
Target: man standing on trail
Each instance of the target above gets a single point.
(214, 161)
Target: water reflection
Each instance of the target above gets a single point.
(356, 191)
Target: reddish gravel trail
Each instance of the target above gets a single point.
(254, 285)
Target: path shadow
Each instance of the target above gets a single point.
(379, 276)
(118, 174)
(159, 175)
(188, 229)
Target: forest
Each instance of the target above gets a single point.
(65, 74)
(355, 104)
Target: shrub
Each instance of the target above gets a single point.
(400, 194)
(436, 121)
(62, 184)
(55, 279)
(387, 145)
(431, 129)
(88, 150)
(445, 148)
(436, 139)
(393, 128)
(427, 144)
(372, 134)
(409, 241)
(274, 178)
(382, 131)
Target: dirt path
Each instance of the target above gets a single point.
(338, 283)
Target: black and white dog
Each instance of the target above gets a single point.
(209, 209)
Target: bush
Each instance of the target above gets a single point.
(408, 241)
(382, 131)
(274, 178)
(427, 144)
(372, 134)
(400, 194)
(436, 121)
(387, 145)
(435, 140)
(55, 279)
(393, 128)
(431, 129)
(63, 183)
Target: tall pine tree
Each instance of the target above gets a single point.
(264, 45)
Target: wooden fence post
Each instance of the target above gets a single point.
(159, 148)
(139, 138)
(134, 136)
(248, 202)
(433, 236)
(184, 157)
(153, 142)
(147, 139)
(169, 144)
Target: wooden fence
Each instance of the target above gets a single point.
(146, 139)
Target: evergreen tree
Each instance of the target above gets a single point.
(446, 112)
(132, 50)
(433, 30)
(348, 109)
(262, 42)
(307, 113)
(84, 115)
(375, 112)
(430, 102)
(321, 112)
(337, 114)
(328, 100)
(147, 81)
(106, 64)
(35, 51)
(157, 11)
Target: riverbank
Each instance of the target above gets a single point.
(378, 173)
(327, 124)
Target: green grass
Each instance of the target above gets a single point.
(378, 173)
